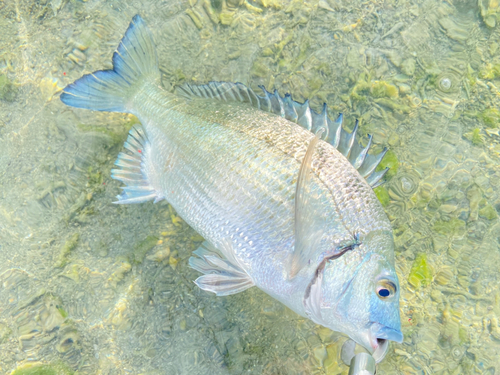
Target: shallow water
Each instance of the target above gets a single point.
(95, 288)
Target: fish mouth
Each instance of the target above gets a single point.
(379, 340)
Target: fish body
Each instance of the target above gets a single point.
(279, 207)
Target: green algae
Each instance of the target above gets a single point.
(475, 137)
(382, 195)
(488, 212)
(382, 92)
(451, 227)
(490, 71)
(490, 117)
(69, 245)
(63, 312)
(7, 89)
(390, 161)
(382, 89)
(362, 88)
(463, 336)
(43, 369)
(141, 248)
(421, 272)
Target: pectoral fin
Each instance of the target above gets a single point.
(221, 276)
(307, 231)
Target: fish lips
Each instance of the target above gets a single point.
(379, 340)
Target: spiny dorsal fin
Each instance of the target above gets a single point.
(300, 113)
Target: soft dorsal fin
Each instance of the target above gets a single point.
(302, 114)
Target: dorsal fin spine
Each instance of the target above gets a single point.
(306, 116)
(253, 98)
(335, 129)
(361, 155)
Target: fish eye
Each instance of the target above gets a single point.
(384, 292)
(385, 289)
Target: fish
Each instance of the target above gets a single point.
(282, 195)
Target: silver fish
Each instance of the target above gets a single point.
(282, 194)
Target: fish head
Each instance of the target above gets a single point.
(360, 294)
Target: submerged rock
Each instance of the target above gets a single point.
(37, 368)
(7, 90)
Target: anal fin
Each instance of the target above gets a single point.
(223, 275)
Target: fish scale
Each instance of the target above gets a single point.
(282, 195)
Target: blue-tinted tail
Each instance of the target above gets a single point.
(134, 62)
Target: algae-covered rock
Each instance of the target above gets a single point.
(408, 67)
(37, 368)
(451, 227)
(69, 245)
(454, 30)
(474, 195)
(488, 212)
(119, 274)
(490, 12)
(444, 276)
(142, 247)
(160, 255)
(451, 331)
(7, 89)
(393, 105)
(490, 117)
(421, 273)
(381, 89)
(68, 338)
(260, 68)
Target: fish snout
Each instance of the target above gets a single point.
(379, 340)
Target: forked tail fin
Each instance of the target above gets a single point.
(134, 62)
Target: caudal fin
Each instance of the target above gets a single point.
(134, 62)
